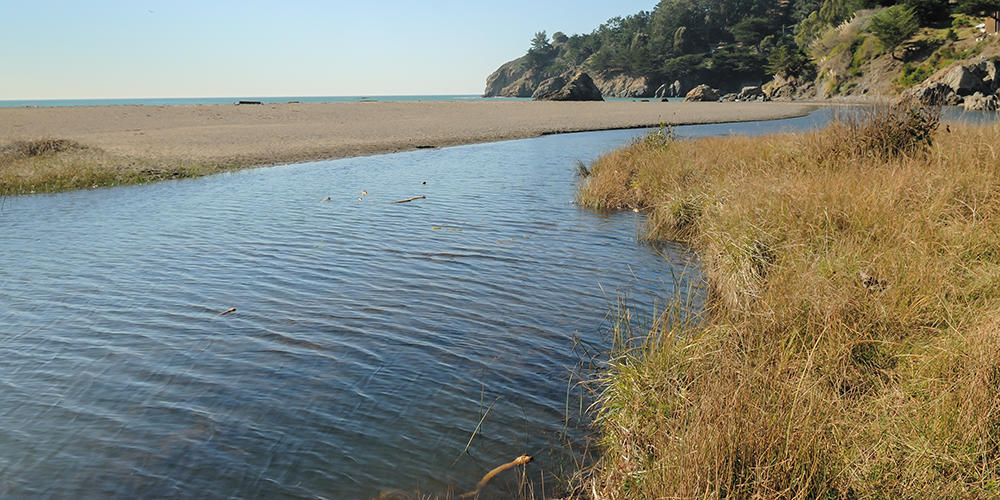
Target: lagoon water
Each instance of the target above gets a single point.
(371, 341)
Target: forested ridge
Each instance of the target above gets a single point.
(728, 43)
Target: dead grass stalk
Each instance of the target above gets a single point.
(850, 346)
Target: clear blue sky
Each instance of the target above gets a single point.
(181, 48)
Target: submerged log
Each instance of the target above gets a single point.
(411, 199)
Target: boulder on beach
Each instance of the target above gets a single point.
(786, 88)
(746, 94)
(702, 93)
(666, 91)
(580, 88)
(752, 93)
(549, 86)
(675, 89)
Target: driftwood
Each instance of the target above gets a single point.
(411, 199)
(227, 311)
(521, 460)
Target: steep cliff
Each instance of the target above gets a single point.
(513, 79)
(516, 79)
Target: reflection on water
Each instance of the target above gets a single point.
(368, 341)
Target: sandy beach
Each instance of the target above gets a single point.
(270, 134)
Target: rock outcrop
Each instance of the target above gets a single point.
(967, 79)
(667, 91)
(503, 77)
(621, 84)
(747, 94)
(580, 88)
(675, 89)
(935, 94)
(752, 93)
(702, 93)
(517, 79)
(980, 102)
(513, 80)
(549, 86)
(974, 83)
(786, 88)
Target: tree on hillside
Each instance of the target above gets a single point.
(979, 7)
(788, 61)
(893, 26)
(931, 12)
(750, 31)
(668, 19)
(540, 42)
(541, 52)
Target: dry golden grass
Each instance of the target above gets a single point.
(850, 348)
(50, 165)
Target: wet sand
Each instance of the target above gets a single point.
(270, 134)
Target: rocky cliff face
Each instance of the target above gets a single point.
(512, 79)
(580, 88)
(620, 84)
(973, 83)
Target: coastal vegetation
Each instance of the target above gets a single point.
(727, 44)
(850, 345)
(51, 165)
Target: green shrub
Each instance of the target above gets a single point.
(660, 138)
(902, 128)
(893, 26)
(962, 21)
(914, 75)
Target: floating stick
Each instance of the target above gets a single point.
(521, 460)
(411, 199)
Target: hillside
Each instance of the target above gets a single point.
(851, 62)
(795, 48)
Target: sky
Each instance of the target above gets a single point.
(179, 48)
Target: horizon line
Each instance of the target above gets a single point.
(4, 99)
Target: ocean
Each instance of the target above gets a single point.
(185, 101)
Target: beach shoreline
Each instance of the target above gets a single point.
(147, 143)
(284, 133)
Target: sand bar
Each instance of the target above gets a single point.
(271, 134)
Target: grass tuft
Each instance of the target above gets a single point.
(51, 165)
(904, 127)
(39, 147)
(850, 345)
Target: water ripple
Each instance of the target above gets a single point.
(368, 339)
